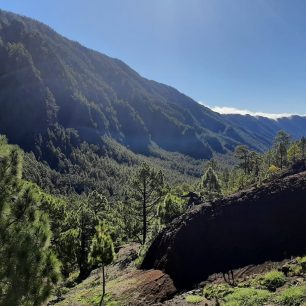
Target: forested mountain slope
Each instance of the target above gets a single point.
(266, 128)
(47, 80)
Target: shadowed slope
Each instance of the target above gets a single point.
(47, 80)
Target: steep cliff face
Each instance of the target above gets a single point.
(266, 223)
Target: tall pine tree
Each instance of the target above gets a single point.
(28, 267)
(147, 188)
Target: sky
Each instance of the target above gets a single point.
(247, 55)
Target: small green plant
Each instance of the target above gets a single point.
(301, 259)
(293, 269)
(217, 291)
(102, 252)
(273, 279)
(194, 299)
(302, 262)
(108, 301)
(142, 253)
(292, 296)
(247, 297)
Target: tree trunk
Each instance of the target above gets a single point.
(269, 159)
(281, 160)
(144, 213)
(103, 285)
(82, 260)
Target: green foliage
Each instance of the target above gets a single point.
(101, 252)
(218, 291)
(147, 187)
(281, 145)
(211, 185)
(302, 262)
(294, 152)
(45, 92)
(28, 267)
(73, 219)
(302, 145)
(273, 170)
(210, 181)
(296, 268)
(83, 214)
(172, 207)
(105, 169)
(102, 248)
(292, 296)
(194, 299)
(243, 154)
(273, 280)
(247, 297)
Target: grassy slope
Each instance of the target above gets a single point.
(265, 284)
(278, 283)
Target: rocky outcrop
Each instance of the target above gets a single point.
(253, 226)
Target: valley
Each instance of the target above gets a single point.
(118, 190)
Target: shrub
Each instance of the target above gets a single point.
(217, 291)
(194, 299)
(292, 269)
(273, 171)
(247, 297)
(292, 296)
(273, 279)
(302, 262)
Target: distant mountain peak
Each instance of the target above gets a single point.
(225, 110)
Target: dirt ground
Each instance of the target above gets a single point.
(126, 285)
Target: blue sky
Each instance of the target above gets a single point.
(245, 54)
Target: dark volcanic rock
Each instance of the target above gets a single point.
(266, 223)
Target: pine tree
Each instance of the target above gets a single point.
(281, 145)
(254, 164)
(172, 207)
(147, 188)
(73, 223)
(303, 147)
(269, 158)
(210, 181)
(294, 152)
(101, 253)
(28, 267)
(243, 154)
(211, 184)
(127, 225)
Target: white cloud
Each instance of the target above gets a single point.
(232, 110)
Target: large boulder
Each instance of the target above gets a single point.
(253, 226)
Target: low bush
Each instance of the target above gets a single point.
(292, 269)
(292, 296)
(302, 262)
(194, 299)
(273, 279)
(247, 297)
(217, 291)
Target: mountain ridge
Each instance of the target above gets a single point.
(295, 125)
(48, 81)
